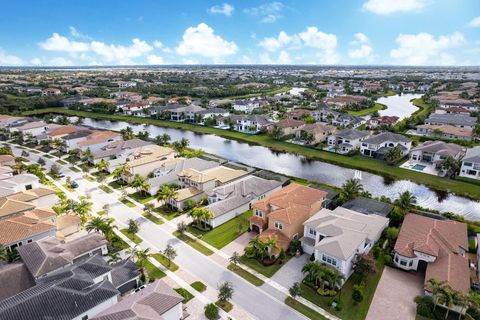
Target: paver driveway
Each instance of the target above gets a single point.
(393, 299)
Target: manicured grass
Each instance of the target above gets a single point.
(267, 271)
(225, 305)
(116, 185)
(118, 243)
(168, 213)
(187, 296)
(260, 94)
(141, 197)
(303, 309)
(225, 233)
(364, 112)
(48, 156)
(126, 202)
(152, 218)
(132, 237)
(61, 162)
(105, 188)
(199, 286)
(35, 151)
(74, 169)
(245, 275)
(66, 186)
(355, 162)
(153, 272)
(89, 178)
(350, 310)
(193, 243)
(172, 266)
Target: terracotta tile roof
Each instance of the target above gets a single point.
(443, 239)
(257, 221)
(40, 214)
(448, 129)
(67, 220)
(97, 137)
(288, 123)
(283, 240)
(63, 130)
(19, 228)
(9, 207)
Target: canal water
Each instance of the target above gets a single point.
(313, 170)
(399, 105)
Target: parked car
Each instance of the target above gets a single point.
(74, 184)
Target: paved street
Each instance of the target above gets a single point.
(247, 296)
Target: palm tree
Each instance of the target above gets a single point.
(294, 291)
(127, 133)
(121, 171)
(392, 155)
(235, 258)
(406, 201)
(351, 188)
(200, 215)
(148, 208)
(451, 166)
(256, 249)
(87, 155)
(114, 257)
(166, 193)
(163, 139)
(449, 297)
(95, 224)
(83, 208)
(312, 270)
(103, 165)
(436, 288)
(139, 183)
(142, 257)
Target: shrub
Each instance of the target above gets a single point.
(326, 292)
(376, 251)
(388, 260)
(312, 257)
(424, 306)
(357, 293)
(211, 311)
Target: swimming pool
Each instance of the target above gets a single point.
(419, 167)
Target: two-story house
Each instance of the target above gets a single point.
(281, 214)
(347, 140)
(376, 146)
(433, 152)
(336, 237)
(471, 164)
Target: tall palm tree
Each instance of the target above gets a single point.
(406, 201)
(103, 165)
(312, 270)
(94, 224)
(83, 208)
(166, 193)
(139, 183)
(436, 288)
(127, 133)
(121, 171)
(351, 188)
(256, 248)
(87, 155)
(200, 214)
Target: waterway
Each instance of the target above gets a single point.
(399, 105)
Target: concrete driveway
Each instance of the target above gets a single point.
(238, 244)
(291, 272)
(395, 293)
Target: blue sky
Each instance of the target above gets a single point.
(350, 32)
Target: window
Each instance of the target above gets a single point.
(467, 164)
(29, 240)
(329, 260)
(403, 262)
(85, 317)
(312, 231)
(278, 225)
(28, 187)
(258, 213)
(410, 263)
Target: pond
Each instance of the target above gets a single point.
(313, 170)
(399, 105)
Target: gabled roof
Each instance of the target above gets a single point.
(351, 134)
(22, 227)
(472, 155)
(9, 207)
(387, 136)
(147, 304)
(440, 148)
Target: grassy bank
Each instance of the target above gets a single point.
(364, 112)
(356, 162)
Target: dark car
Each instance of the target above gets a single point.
(74, 185)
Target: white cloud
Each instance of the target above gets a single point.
(9, 60)
(475, 22)
(202, 41)
(273, 44)
(314, 38)
(36, 61)
(362, 49)
(269, 12)
(121, 54)
(157, 44)
(60, 43)
(225, 9)
(190, 61)
(425, 49)
(77, 34)
(59, 62)
(154, 59)
(386, 7)
(284, 58)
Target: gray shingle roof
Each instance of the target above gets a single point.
(123, 272)
(440, 147)
(387, 136)
(472, 155)
(455, 119)
(368, 206)
(351, 134)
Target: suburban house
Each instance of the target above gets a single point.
(33, 128)
(246, 106)
(212, 113)
(376, 122)
(437, 247)
(346, 140)
(18, 183)
(93, 140)
(336, 237)
(248, 123)
(462, 103)
(19, 230)
(314, 133)
(281, 214)
(288, 126)
(135, 108)
(156, 301)
(183, 113)
(9, 121)
(232, 199)
(61, 131)
(444, 131)
(471, 164)
(51, 92)
(346, 120)
(435, 151)
(341, 102)
(145, 160)
(453, 110)
(195, 184)
(368, 206)
(378, 145)
(121, 149)
(457, 120)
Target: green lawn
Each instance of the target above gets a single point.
(152, 218)
(356, 162)
(104, 188)
(117, 243)
(187, 296)
(126, 202)
(199, 286)
(364, 112)
(74, 169)
(225, 305)
(225, 233)
(141, 197)
(132, 237)
(153, 272)
(61, 162)
(89, 178)
(267, 271)
(350, 310)
(115, 185)
(245, 275)
(168, 213)
(48, 156)
(172, 266)
(67, 186)
(193, 243)
(303, 309)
